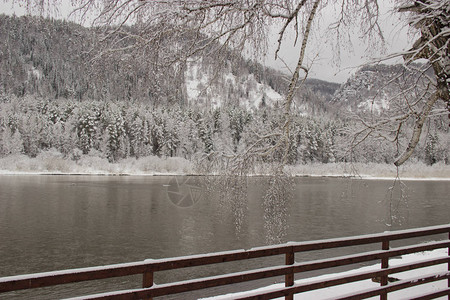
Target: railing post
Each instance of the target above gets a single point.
(289, 278)
(384, 265)
(448, 266)
(147, 281)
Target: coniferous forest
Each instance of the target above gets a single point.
(57, 94)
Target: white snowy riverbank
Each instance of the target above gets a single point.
(54, 163)
(334, 292)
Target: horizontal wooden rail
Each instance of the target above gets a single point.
(148, 267)
(203, 283)
(330, 282)
(370, 238)
(440, 293)
(396, 286)
(360, 295)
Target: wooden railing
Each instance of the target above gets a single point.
(149, 267)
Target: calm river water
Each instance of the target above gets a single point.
(59, 222)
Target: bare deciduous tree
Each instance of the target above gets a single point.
(432, 19)
(421, 95)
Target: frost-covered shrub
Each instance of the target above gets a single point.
(89, 164)
(177, 165)
(171, 165)
(14, 163)
(11, 142)
(76, 154)
(53, 161)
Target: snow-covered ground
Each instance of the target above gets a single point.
(334, 292)
(54, 163)
(409, 171)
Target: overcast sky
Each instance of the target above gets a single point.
(327, 66)
(320, 52)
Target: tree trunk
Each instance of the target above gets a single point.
(421, 118)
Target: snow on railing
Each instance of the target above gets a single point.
(148, 267)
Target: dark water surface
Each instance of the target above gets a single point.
(60, 222)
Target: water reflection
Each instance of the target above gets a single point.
(59, 222)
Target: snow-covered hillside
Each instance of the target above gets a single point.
(75, 67)
(375, 88)
(243, 90)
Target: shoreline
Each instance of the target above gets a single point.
(54, 164)
(336, 176)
